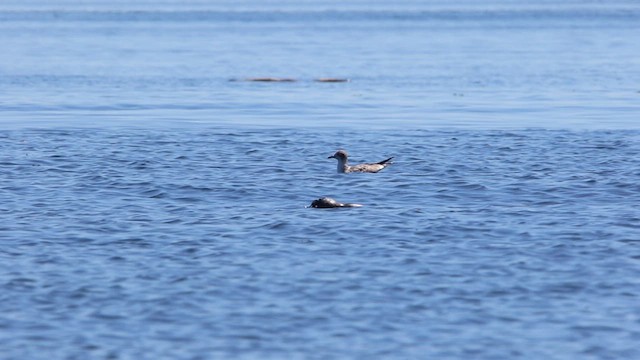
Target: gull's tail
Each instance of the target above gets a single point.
(386, 162)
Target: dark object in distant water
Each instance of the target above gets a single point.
(270, 79)
(327, 202)
(288, 80)
(343, 166)
(331, 80)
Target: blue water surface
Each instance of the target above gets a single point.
(154, 203)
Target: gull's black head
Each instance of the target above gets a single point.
(340, 154)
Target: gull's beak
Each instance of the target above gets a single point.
(331, 157)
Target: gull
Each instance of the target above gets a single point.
(343, 167)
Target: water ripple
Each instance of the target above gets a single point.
(109, 232)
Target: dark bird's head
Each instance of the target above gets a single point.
(325, 202)
(341, 155)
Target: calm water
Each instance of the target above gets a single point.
(151, 208)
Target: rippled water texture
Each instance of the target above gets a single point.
(198, 244)
(153, 203)
(496, 64)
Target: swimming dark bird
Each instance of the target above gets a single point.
(344, 167)
(271, 79)
(331, 80)
(327, 202)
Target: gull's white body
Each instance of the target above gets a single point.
(344, 167)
